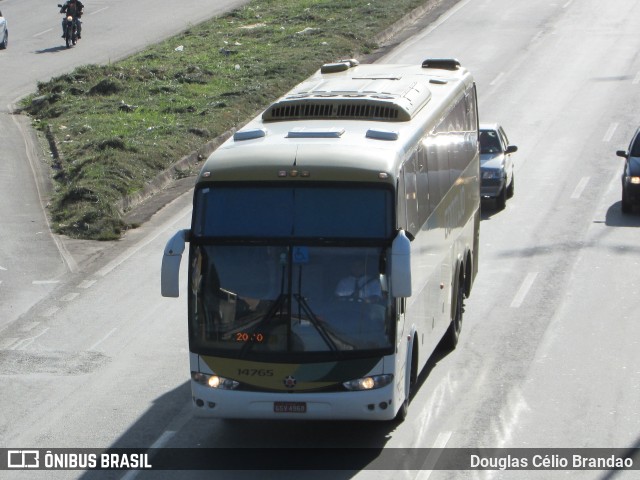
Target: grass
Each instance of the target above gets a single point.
(116, 126)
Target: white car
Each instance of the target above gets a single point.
(4, 33)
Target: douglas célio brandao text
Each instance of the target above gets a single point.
(550, 461)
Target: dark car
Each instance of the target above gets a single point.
(631, 174)
(497, 180)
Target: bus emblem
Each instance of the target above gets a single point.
(290, 382)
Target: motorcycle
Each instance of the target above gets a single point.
(70, 30)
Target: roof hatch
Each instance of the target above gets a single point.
(388, 98)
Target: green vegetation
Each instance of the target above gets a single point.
(117, 126)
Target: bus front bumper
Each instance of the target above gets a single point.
(376, 404)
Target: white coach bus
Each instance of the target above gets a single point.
(333, 241)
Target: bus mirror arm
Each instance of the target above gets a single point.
(170, 272)
(401, 265)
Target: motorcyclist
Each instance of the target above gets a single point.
(74, 9)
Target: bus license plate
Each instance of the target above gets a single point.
(289, 407)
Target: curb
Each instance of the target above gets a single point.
(170, 175)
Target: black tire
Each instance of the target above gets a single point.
(452, 335)
(68, 34)
(501, 199)
(413, 379)
(511, 188)
(5, 40)
(403, 412)
(626, 205)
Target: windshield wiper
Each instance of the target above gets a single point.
(315, 322)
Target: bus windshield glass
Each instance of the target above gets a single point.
(250, 212)
(257, 301)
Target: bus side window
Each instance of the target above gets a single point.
(424, 208)
(458, 154)
(411, 195)
(402, 203)
(436, 149)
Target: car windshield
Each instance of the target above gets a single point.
(489, 142)
(269, 300)
(635, 148)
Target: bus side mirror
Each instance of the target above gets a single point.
(170, 272)
(401, 266)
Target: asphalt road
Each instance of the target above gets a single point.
(548, 355)
(32, 261)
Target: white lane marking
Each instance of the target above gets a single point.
(524, 289)
(445, 17)
(164, 439)
(45, 282)
(580, 187)
(161, 442)
(610, 131)
(133, 250)
(42, 33)
(2, 268)
(70, 296)
(498, 79)
(636, 80)
(25, 342)
(434, 454)
(410, 44)
(537, 36)
(98, 11)
(509, 417)
(5, 343)
(87, 284)
(27, 327)
(93, 347)
(566, 5)
(50, 312)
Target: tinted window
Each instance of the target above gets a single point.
(282, 212)
(489, 142)
(635, 148)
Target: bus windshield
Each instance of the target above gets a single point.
(257, 301)
(285, 211)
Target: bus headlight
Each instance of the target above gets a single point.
(214, 381)
(369, 383)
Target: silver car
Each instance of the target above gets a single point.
(496, 165)
(4, 33)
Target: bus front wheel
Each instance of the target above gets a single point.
(413, 379)
(453, 332)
